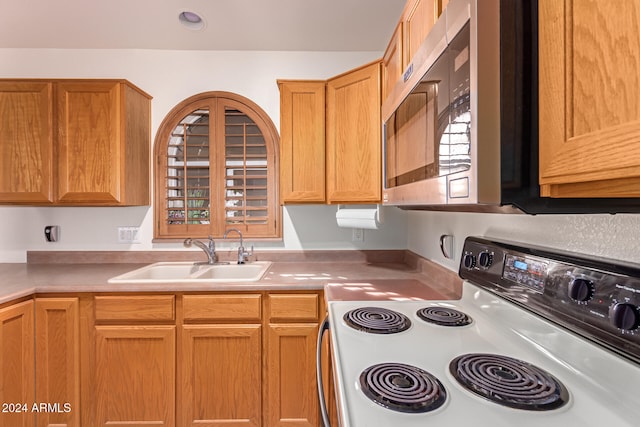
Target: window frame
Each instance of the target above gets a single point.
(215, 102)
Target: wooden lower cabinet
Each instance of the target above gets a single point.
(16, 365)
(207, 360)
(221, 368)
(291, 398)
(135, 376)
(57, 362)
(291, 376)
(128, 360)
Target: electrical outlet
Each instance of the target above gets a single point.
(129, 234)
(358, 235)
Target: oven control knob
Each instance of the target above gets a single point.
(469, 261)
(485, 259)
(625, 316)
(581, 290)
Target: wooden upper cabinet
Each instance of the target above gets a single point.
(353, 144)
(418, 18)
(26, 142)
(103, 143)
(74, 142)
(442, 4)
(392, 62)
(302, 141)
(589, 75)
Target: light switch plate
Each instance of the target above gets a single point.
(129, 234)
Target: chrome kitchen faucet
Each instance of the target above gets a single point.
(242, 253)
(209, 249)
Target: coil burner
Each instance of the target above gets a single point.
(377, 320)
(509, 382)
(402, 388)
(444, 316)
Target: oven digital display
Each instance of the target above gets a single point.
(520, 265)
(526, 272)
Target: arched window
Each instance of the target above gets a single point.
(216, 168)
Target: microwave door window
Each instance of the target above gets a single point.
(410, 137)
(455, 142)
(416, 158)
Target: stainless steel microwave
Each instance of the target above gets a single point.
(460, 131)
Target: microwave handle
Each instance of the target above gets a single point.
(324, 327)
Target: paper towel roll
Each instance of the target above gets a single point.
(358, 218)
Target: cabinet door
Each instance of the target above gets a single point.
(57, 361)
(89, 134)
(392, 64)
(302, 141)
(16, 365)
(589, 108)
(221, 383)
(292, 399)
(135, 376)
(26, 142)
(418, 19)
(354, 137)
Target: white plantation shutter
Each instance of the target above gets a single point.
(217, 169)
(246, 170)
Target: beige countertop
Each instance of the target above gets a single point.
(351, 279)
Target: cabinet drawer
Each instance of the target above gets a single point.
(293, 307)
(137, 307)
(222, 307)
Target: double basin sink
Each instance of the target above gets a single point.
(189, 272)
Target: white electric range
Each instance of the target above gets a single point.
(537, 338)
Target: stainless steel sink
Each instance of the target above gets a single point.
(188, 272)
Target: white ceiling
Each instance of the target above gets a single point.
(294, 25)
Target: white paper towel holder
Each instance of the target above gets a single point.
(378, 216)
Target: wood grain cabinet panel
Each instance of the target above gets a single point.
(293, 307)
(135, 376)
(418, 18)
(58, 361)
(222, 307)
(26, 142)
(354, 167)
(392, 63)
(74, 142)
(221, 368)
(589, 78)
(290, 355)
(135, 308)
(302, 141)
(17, 364)
(103, 143)
(291, 395)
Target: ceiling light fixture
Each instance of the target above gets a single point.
(191, 20)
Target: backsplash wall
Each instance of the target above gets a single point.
(610, 236)
(163, 75)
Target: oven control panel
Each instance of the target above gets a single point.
(596, 298)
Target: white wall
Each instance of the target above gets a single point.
(170, 77)
(610, 236)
